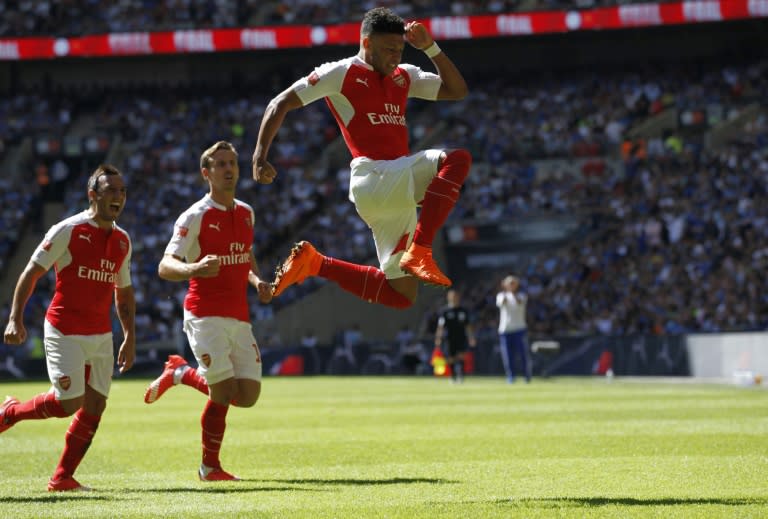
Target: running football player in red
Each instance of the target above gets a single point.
(92, 257)
(212, 248)
(367, 94)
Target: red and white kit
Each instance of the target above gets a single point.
(216, 312)
(90, 263)
(387, 183)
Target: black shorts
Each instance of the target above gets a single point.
(453, 348)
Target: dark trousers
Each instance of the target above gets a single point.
(515, 344)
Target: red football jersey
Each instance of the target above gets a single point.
(210, 228)
(90, 262)
(369, 108)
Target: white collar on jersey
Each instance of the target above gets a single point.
(361, 62)
(214, 203)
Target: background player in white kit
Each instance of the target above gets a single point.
(92, 257)
(212, 248)
(367, 94)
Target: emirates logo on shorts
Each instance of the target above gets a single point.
(206, 360)
(65, 382)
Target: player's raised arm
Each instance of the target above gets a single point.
(284, 102)
(454, 86)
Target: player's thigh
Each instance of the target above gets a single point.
(209, 341)
(392, 233)
(424, 169)
(99, 354)
(246, 356)
(382, 186)
(65, 360)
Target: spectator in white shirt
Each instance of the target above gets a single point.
(513, 328)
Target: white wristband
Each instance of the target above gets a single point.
(432, 51)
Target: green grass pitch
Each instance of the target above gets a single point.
(411, 448)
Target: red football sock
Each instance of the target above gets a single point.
(40, 407)
(191, 378)
(366, 282)
(214, 421)
(442, 194)
(76, 443)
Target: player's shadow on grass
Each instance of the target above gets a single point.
(56, 498)
(236, 488)
(559, 502)
(364, 482)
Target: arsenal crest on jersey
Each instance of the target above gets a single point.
(65, 382)
(399, 80)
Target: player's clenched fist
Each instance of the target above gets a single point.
(263, 171)
(417, 35)
(17, 334)
(265, 291)
(208, 267)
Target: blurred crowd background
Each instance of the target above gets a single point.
(663, 165)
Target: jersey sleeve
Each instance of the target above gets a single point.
(124, 274)
(53, 246)
(185, 233)
(326, 80)
(424, 85)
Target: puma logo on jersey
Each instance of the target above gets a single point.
(214, 226)
(364, 81)
(86, 237)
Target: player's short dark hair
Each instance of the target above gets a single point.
(102, 169)
(206, 159)
(381, 20)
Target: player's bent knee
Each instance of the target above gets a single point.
(459, 157)
(248, 393)
(71, 405)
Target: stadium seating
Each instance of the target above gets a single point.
(665, 216)
(46, 17)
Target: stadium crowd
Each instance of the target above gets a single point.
(660, 228)
(78, 17)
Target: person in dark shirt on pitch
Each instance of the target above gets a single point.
(454, 328)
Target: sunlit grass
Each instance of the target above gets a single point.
(412, 448)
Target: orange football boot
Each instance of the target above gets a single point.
(304, 261)
(418, 262)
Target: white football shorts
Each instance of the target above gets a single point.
(224, 348)
(66, 357)
(386, 194)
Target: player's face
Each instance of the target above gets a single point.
(385, 51)
(109, 198)
(223, 172)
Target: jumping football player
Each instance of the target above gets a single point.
(367, 94)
